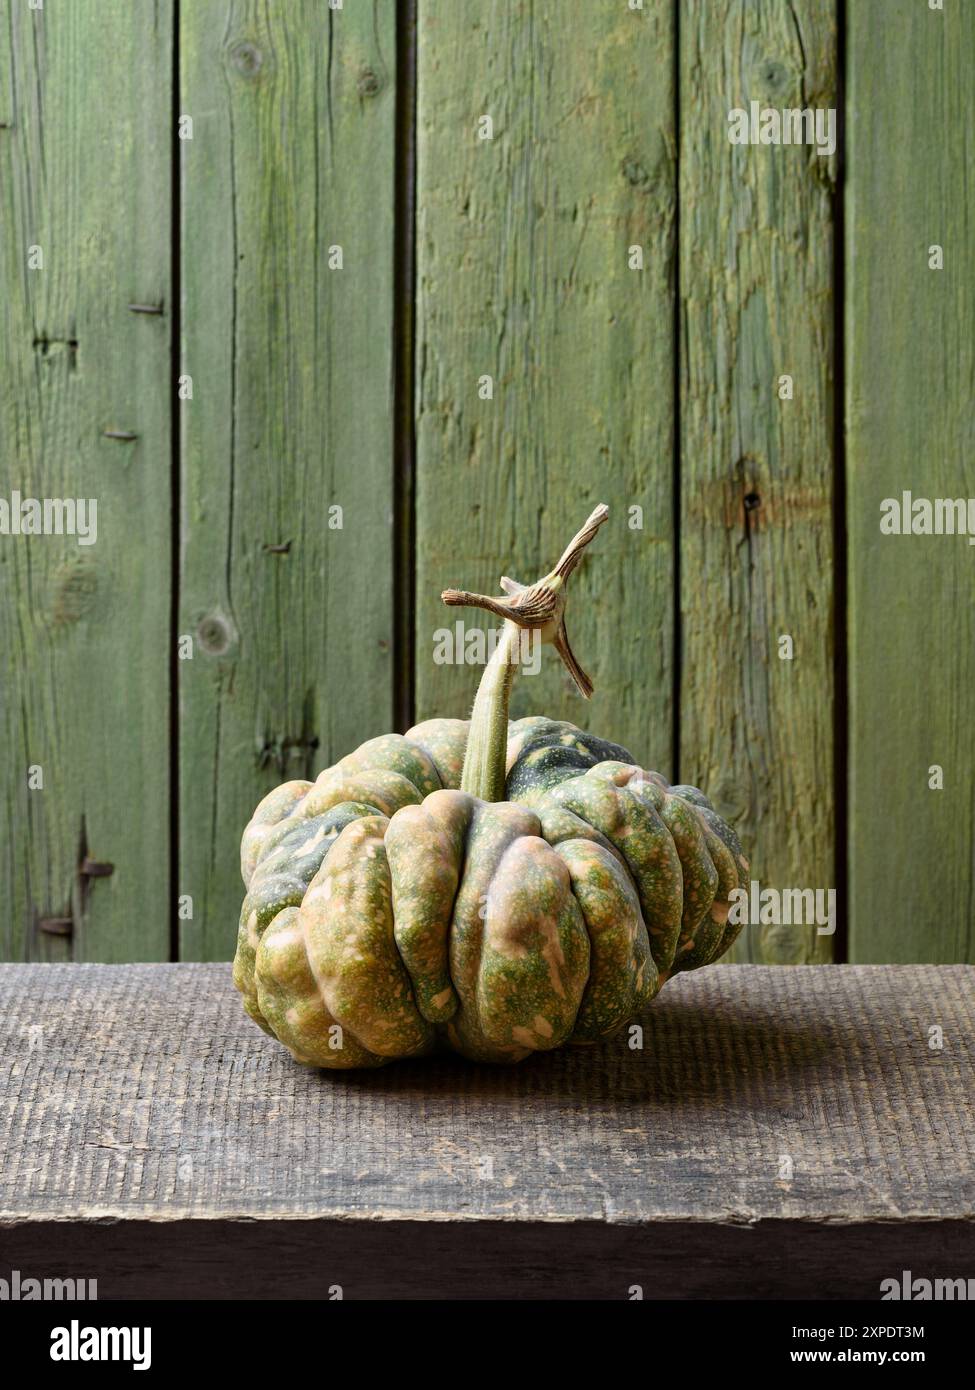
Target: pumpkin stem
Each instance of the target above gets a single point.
(540, 607)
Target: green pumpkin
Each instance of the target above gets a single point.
(391, 909)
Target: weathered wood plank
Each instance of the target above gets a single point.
(910, 364)
(84, 629)
(522, 276)
(460, 1260)
(782, 1133)
(292, 154)
(144, 1093)
(756, 270)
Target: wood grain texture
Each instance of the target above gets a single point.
(910, 364)
(522, 275)
(84, 629)
(144, 1093)
(461, 1260)
(756, 269)
(292, 154)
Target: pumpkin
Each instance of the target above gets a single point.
(498, 888)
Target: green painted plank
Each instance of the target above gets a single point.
(910, 366)
(522, 275)
(756, 304)
(84, 629)
(292, 153)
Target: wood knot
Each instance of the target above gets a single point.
(775, 82)
(247, 58)
(636, 175)
(369, 84)
(214, 635)
(73, 591)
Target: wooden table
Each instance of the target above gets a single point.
(783, 1132)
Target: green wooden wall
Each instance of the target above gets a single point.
(290, 166)
(339, 306)
(756, 304)
(910, 335)
(85, 198)
(522, 276)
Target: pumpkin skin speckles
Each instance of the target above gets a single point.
(291, 1001)
(445, 741)
(292, 854)
(347, 922)
(622, 973)
(543, 752)
(425, 845)
(620, 801)
(534, 959)
(389, 913)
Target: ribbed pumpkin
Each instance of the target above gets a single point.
(499, 888)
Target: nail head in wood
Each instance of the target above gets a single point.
(56, 926)
(94, 868)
